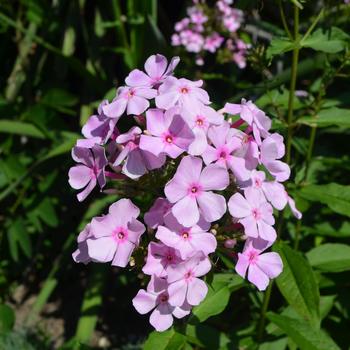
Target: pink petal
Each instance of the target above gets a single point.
(138, 78)
(161, 318)
(217, 134)
(212, 206)
(123, 254)
(144, 302)
(167, 100)
(175, 190)
(239, 169)
(186, 211)
(232, 108)
(266, 231)
(238, 206)
(79, 176)
(197, 290)
(101, 249)
(155, 66)
(177, 293)
(151, 144)
(257, 277)
(182, 311)
(200, 143)
(137, 105)
(210, 155)
(135, 230)
(214, 177)
(155, 121)
(134, 166)
(189, 169)
(125, 210)
(205, 242)
(170, 238)
(242, 265)
(83, 194)
(201, 267)
(250, 226)
(270, 263)
(115, 109)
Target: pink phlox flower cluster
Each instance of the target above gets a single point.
(219, 171)
(212, 29)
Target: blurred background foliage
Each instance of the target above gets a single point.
(59, 59)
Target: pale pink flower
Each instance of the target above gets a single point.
(136, 161)
(184, 284)
(159, 210)
(190, 190)
(157, 70)
(226, 144)
(116, 234)
(156, 297)
(254, 213)
(133, 100)
(91, 169)
(261, 267)
(159, 258)
(170, 133)
(183, 92)
(187, 240)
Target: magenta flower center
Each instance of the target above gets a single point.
(120, 234)
(257, 182)
(194, 190)
(256, 214)
(163, 298)
(185, 235)
(199, 121)
(253, 256)
(169, 139)
(189, 275)
(131, 93)
(169, 257)
(184, 90)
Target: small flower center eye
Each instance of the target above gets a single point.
(164, 298)
(185, 235)
(223, 154)
(256, 214)
(169, 257)
(169, 139)
(199, 122)
(194, 189)
(184, 90)
(131, 93)
(121, 235)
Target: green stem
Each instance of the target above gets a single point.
(293, 80)
(262, 320)
(284, 22)
(297, 235)
(310, 149)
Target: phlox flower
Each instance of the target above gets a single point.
(159, 258)
(159, 210)
(81, 255)
(169, 133)
(261, 267)
(89, 171)
(272, 149)
(213, 42)
(199, 118)
(225, 142)
(187, 240)
(181, 91)
(196, 15)
(157, 70)
(116, 234)
(254, 213)
(156, 297)
(133, 100)
(137, 161)
(190, 190)
(99, 127)
(253, 116)
(184, 284)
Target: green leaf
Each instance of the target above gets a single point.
(18, 236)
(279, 46)
(327, 117)
(7, 318)
(330, 257)
(168, 340)
(332, 41)
(218, 296)
(300, 292)
(204, 336)
(336, 196)
(20, 128)
(303, 334)
(91, 304)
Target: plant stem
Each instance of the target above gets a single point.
(284, 22)
(265, 305)
(293, 80)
